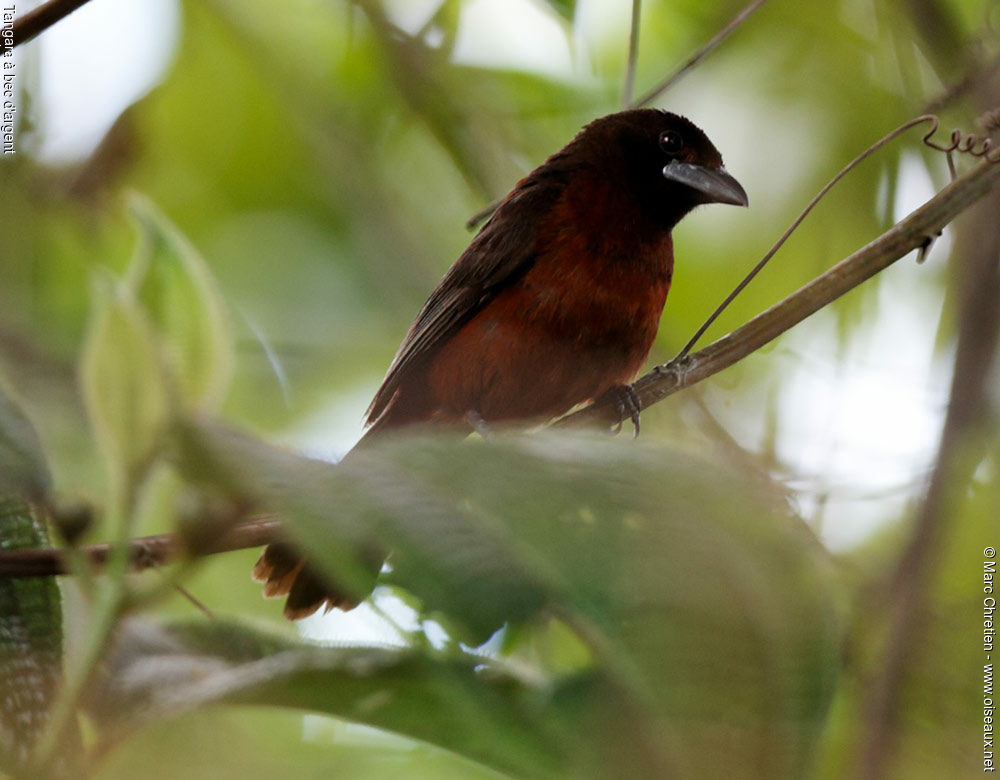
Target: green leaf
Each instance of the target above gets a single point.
(30, 640)
(707, 607)
(707, 601)
(24, 470)
(565, 8)
(188, 315)
(123, 384)
(490, 717)
(365, 505)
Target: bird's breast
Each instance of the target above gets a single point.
(580, 321)
(595, 291)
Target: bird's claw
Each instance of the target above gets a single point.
(926, 245)
(627, 403)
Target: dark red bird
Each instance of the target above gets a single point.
(556, 301)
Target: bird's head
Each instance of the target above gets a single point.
(667, 161)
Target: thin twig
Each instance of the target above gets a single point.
(38, 20)
(700, 54)
(481, 216)
(144, 553)
(198, 604)
(798, 221)
(909, 234)
(628, 88)
(963, 86)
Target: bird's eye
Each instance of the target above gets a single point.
(671, 142)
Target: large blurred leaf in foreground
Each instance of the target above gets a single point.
(708, 610)
(24, 470)
(30, 640)
(156, 672)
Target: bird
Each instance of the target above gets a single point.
(556, 302)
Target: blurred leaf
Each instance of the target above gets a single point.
(489, 717)
(184, 305)
(326, 170)
(237, 743)
(565, 8)
(24, 471)
(940, 734)
(709, 626)
(123, 384)
(476, 578)
(30, 640)
(653, 551)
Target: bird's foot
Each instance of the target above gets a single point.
(626, 401)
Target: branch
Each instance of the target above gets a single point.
(144, 553)
(38, 21)
(695, 58)
(633, 55)
(883, 141)
(914, 232)
(971, 81)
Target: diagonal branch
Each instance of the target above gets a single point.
(912, 233)
(38, 20)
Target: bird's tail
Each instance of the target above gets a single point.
(285, 572)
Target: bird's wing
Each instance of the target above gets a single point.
(501, 253)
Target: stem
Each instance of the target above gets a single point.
(39, 20)
(103, 620)
(695, 58)
(909, 606)
(628, 89)
(798, 221)
(111, 596)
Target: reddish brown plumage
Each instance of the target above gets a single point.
(544, 345)
(555, 302)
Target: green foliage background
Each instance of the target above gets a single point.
(304, 170)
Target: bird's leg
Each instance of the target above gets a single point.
(479, 425)
(626, 401)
